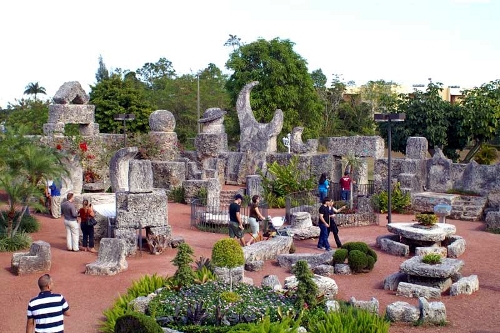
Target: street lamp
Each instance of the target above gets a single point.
(389, 117)
(124, 117)
(287, 141)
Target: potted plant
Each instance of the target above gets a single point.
(426, 219)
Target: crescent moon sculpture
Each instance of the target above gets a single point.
(255, 136)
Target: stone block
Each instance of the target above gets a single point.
(493, 220)
(167, 145)
(443, 270)
(324, 270)
(313, 259)
(392, 281)
(342, 269)
(402, 311)
(71, 113)
(130, 239)
(119, 168)
(210, 144)
(37, 260)
(416, 148)
(371, 306)
(140, 176)
(111, 258)
(141, 209)
(456, 246)
(466, 285)
(332, 306)
(254, 185)
(140, 304)
(168, 175)
(53, 129)
(271, 281)
(361, 146)
(394, 248)
(71, 93)
(326, 286)
(432, 312)
(162, 121)
(423, 251)
(268, 250)
(226, 275)
(415, 290)
(301, 220)
(254, 266)
(441, 284)
(91, 129)
(392, 237)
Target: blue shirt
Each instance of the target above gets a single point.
(324, 187)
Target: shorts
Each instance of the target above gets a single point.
(254, 226)
(234, 230)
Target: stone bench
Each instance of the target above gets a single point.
(111, 258)
(38, 259)
(312, 259)
(268, 249)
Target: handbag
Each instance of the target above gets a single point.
(91, 221)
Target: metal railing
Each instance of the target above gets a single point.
(215, 217)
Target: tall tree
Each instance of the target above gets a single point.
(102, 72)
(284, 84)
(118, 95)
(233, 41)
(34, 89)
(150, 72)
(482, 114)
(30, 113)
(378, 94)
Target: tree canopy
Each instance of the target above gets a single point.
(34, 89)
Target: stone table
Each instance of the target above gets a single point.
(414, 234)
(438, 276)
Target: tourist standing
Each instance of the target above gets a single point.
(254, 218)
(70, 214)
(324, 224)
(323, 186)
(87, 230)
(53, 194)
(235, 223)
(46, 311)
(333, 226)
(345, 186)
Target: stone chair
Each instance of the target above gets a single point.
(38, 259)
(110, 259)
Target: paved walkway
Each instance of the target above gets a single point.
(88, 296)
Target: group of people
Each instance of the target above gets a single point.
(327, 224)
(345, 186)
(236, 223)
(71, 215)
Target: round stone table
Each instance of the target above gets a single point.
(414, 234)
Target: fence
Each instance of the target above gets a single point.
(215, 218)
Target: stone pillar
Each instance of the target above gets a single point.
(416, 148)
(254, 185)
(162, 124)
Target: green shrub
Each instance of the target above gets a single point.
(486, 155)
(19, 241)
(307, 290)
(372, 253)
(178, 194)
(349, 320)
(431, 259)
(184, 275)
(370, 263)
(426, 218)
(29, 223)
(228, 253)
(230, 296)
(357, 260)
(340, 256)
(135, 322)
(360, 246)
(400, 201)
(287, 325)
(202, 195)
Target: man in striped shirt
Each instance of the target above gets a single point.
(46, 311)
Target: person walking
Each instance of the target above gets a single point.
(323, 186)
(47, 310)
(254, 219)
(70, 214)
(235, 223)
(324, 224)
(345, 186)
(333, 226)
(87, 230)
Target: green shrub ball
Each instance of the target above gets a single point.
(357, 260)
(340, 256)
(137, 323)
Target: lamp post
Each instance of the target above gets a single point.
(198, 101)
(389, 117)
(124, 117)
(287, 141)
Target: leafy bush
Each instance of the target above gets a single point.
(178, 194)
(340, 256)
(19, 241)
(426, 218)
(360, 256)
(184, 275)
(400, 201)
(29, 223)
(287, 325)
(230, 296)
(228, 253)
(431, 259)
(135, 322)
(349, 320)
(486, 155)
(307, 290)
(202, 195)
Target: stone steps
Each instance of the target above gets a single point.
(227, 196)
(466, 208)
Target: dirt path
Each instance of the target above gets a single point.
(88, 296)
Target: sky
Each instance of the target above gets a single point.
(454, 42)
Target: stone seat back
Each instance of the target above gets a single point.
(38, 259)
(111, 258)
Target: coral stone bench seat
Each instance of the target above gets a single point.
(110, 259)
(38, 259)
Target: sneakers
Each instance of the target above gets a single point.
(321, 248)
(329, 249)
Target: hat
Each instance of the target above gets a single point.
(238, 196)
(212, 114)
(346, 173)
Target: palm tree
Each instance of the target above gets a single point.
(34, 89)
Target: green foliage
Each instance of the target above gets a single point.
(340, 256)
(29, 223)
(142, 287)
(486, 155)
(203, 275)
(117, 95)
(137, 323)
(287, 325)
(253, 304)
(360, 256)
(230, 296)
(184, 274)
(281, 180)
(34, 89)
(349, 320)
(202, 195)
(19, 241)
(431, 259)
(178, 194)
(284, 83)
(426, 218)
(307, 290)
(228, 253)
(30, 114)
(400, 201)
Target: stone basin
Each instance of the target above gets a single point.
(436, 233)
(445, 269)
